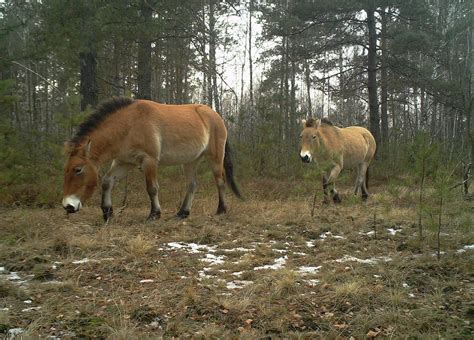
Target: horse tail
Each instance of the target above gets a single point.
(229, 170)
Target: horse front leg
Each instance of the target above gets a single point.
(116, 172)
(149, 167)
(335, 171)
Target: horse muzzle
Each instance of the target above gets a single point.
(71, 204)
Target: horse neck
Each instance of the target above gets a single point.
(329, 136)
(105, 143)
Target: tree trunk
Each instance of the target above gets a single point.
(307, 75)
(250, 57)
(372, 74)
(384, 83)
(88, 88)
(144, 53)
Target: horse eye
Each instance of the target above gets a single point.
(314, 137)
(301, 136)
(78, 170)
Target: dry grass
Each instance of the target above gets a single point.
(254, 276)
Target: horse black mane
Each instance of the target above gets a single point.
(326, 121)
(102, 111)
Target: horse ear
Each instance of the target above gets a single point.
(87, 149)
(303, 122)
(312, 123)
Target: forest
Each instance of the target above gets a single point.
(280, 263)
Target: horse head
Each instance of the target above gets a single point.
(80, 176)
(310, 142)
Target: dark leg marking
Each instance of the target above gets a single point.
(325, 189)
(335, 197)
(182, 213)
(221, 208)
(107, 213)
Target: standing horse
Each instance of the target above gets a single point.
(350, 147)
(147, 134)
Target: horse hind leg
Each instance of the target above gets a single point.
(217, 167)
(149, 167)
(363, 182)
(116, 172)
(190, 174)
(358, 183)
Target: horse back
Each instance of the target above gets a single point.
(174, 134)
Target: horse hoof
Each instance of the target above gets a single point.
(182, 214)
(153, 216)
(107, 213)
(336, 199)
(325, 201)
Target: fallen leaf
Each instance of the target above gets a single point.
(373, 334)
(341, 326)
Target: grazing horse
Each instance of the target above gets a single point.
(145, 134)
(350, 147)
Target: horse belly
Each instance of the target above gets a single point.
(181, 153)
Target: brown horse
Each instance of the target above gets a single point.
(351, 147)
(147, 134)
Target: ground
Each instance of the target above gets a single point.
(266, 269)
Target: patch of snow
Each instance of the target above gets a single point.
(28, 301)
(405, 285)
(192, 248)
(84, 260)
(5, 309)
(281, 251)
(232, 250)
(370, 233)
(312, 282)
(377, 276)
(147, 281)
(299, 253)
(13, 276)
(52, 282)
(327, 234)
(441, 253)
(30, 309)
(13, 332)
(2, 269)
(237, 273)
(459, 251)
(309, 269)
(469, 247)
(213, 259)
(393, 231)
(279, 263)
(374, 260)
(310, 243)
(411, 295)
(202, 274)
(237, 284)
